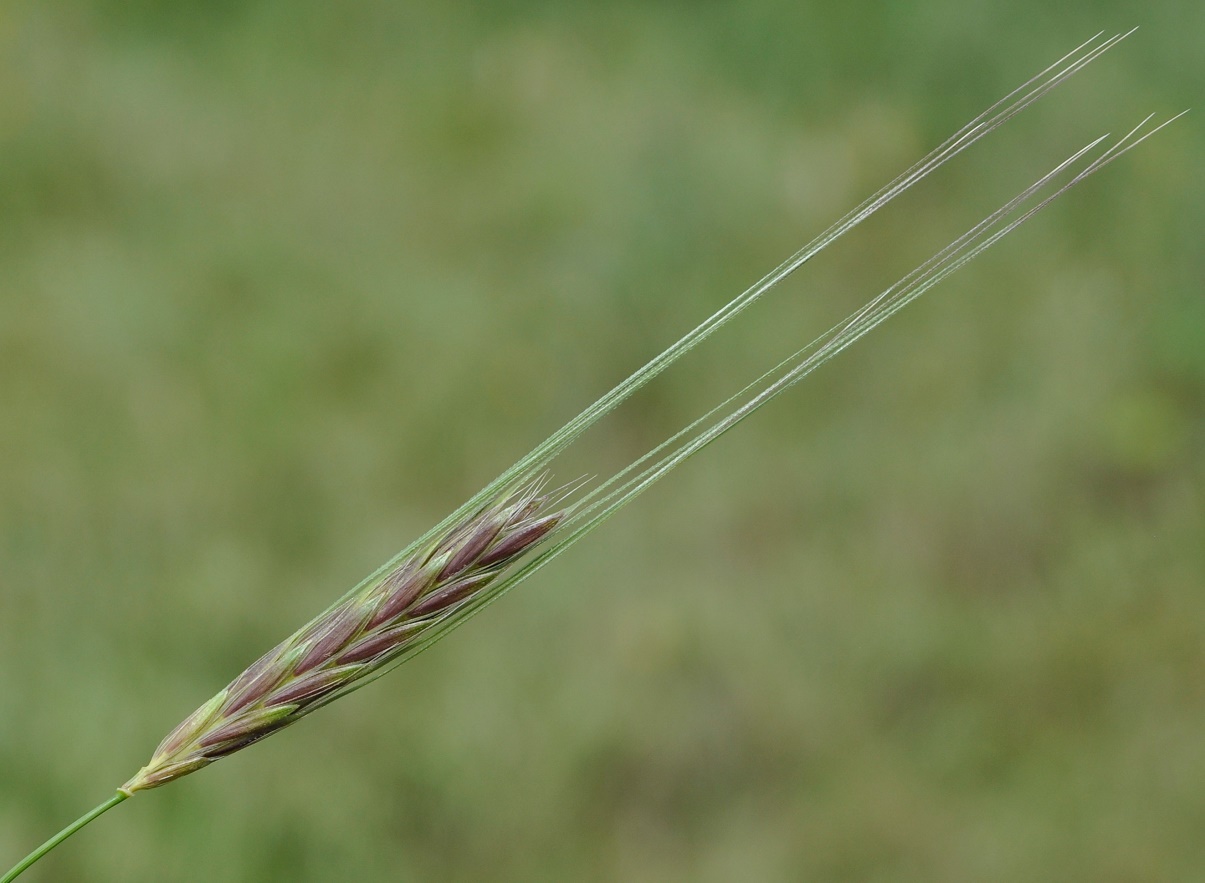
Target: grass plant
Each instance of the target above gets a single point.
(515, 526)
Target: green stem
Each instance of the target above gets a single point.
(58, 838)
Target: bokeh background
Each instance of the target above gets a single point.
(281, 283)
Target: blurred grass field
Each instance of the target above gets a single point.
(283, 283)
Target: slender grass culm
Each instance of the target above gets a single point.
(519, 522)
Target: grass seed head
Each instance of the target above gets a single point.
(356, 637)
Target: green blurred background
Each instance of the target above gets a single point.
(281, 283)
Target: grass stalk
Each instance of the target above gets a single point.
(83, 821)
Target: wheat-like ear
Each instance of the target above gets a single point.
(512, 527)
(357, 637)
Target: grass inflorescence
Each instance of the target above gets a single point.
(331, 653)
